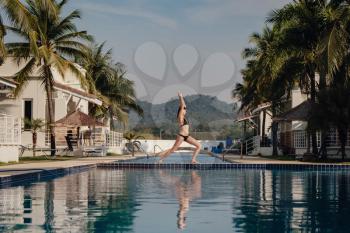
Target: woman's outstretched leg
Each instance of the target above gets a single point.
(197, 149)
(167, 152)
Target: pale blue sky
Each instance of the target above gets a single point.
(219, 27)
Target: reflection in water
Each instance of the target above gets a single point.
(185, 190)
(293, 201)
(103, 200)
(81, 202)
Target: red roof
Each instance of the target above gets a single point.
(7, 81)
(70, 89)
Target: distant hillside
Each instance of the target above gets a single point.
(205, 113)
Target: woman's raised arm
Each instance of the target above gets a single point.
(182, 101)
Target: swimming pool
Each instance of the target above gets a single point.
(179, 158)
(158, 200)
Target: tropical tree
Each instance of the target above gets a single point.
(34, 125)
(107, 80)
(48, 41)
(267, 70)
(133, 144)
(2, 45)
(301, 22)
(307, 37)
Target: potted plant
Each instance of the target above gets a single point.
(34, 125)
(133, 144)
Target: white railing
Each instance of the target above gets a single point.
(10, 130)
(114, 139)
(332, 140)
(93, 138)
(108, 138)
(252, 144)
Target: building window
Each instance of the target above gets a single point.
(28, 112)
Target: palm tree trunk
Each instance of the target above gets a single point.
(311, 75)
(244, 137)
(324, 130)
(274, 138)
(308, 142)
(323, 148)
(274, 128)
(111, 122)
(342, 131)
(34, 139)
(263, 129)
(48, 87)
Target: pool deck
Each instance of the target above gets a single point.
(14, 172)
(32, 166)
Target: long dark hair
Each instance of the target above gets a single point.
(178, 112)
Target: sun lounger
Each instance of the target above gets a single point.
(94, 151)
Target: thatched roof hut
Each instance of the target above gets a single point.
(301, 112)
(78, 118)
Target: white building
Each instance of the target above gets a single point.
(292, 129)
(31, 102)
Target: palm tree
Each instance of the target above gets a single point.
(267, 70)
(301, 22)
(334, 43)
(108, 82)
(133, 143)
(307, 36)
(34, 125)
(2, 45)
(49, 41)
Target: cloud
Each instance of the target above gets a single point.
(131, 12)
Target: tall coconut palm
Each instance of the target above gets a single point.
(302, 24)
(334, 43)
(2, 45)
(108, 82)
(49, 41)
(268, 70)
(334, 60)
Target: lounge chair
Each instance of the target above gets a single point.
(94, 151)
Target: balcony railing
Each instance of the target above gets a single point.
(299, 139)
(10, 130)
(91, 138)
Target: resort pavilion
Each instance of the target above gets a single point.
(82, 128)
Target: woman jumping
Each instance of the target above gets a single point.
(183, 134)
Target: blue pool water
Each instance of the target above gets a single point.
(160, 201)
(180, 157)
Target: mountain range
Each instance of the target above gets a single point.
(205, 114)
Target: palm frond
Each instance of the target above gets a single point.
(23, 75)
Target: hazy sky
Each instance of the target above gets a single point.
(189, 45)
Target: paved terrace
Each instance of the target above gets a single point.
(29, 167)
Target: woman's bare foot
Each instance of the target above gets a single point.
(194, 162)
(161, 160)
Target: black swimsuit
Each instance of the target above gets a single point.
(185, 123)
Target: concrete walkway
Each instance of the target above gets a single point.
(260, 160)
(35, 166)
(257, 160)
(32, 167)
